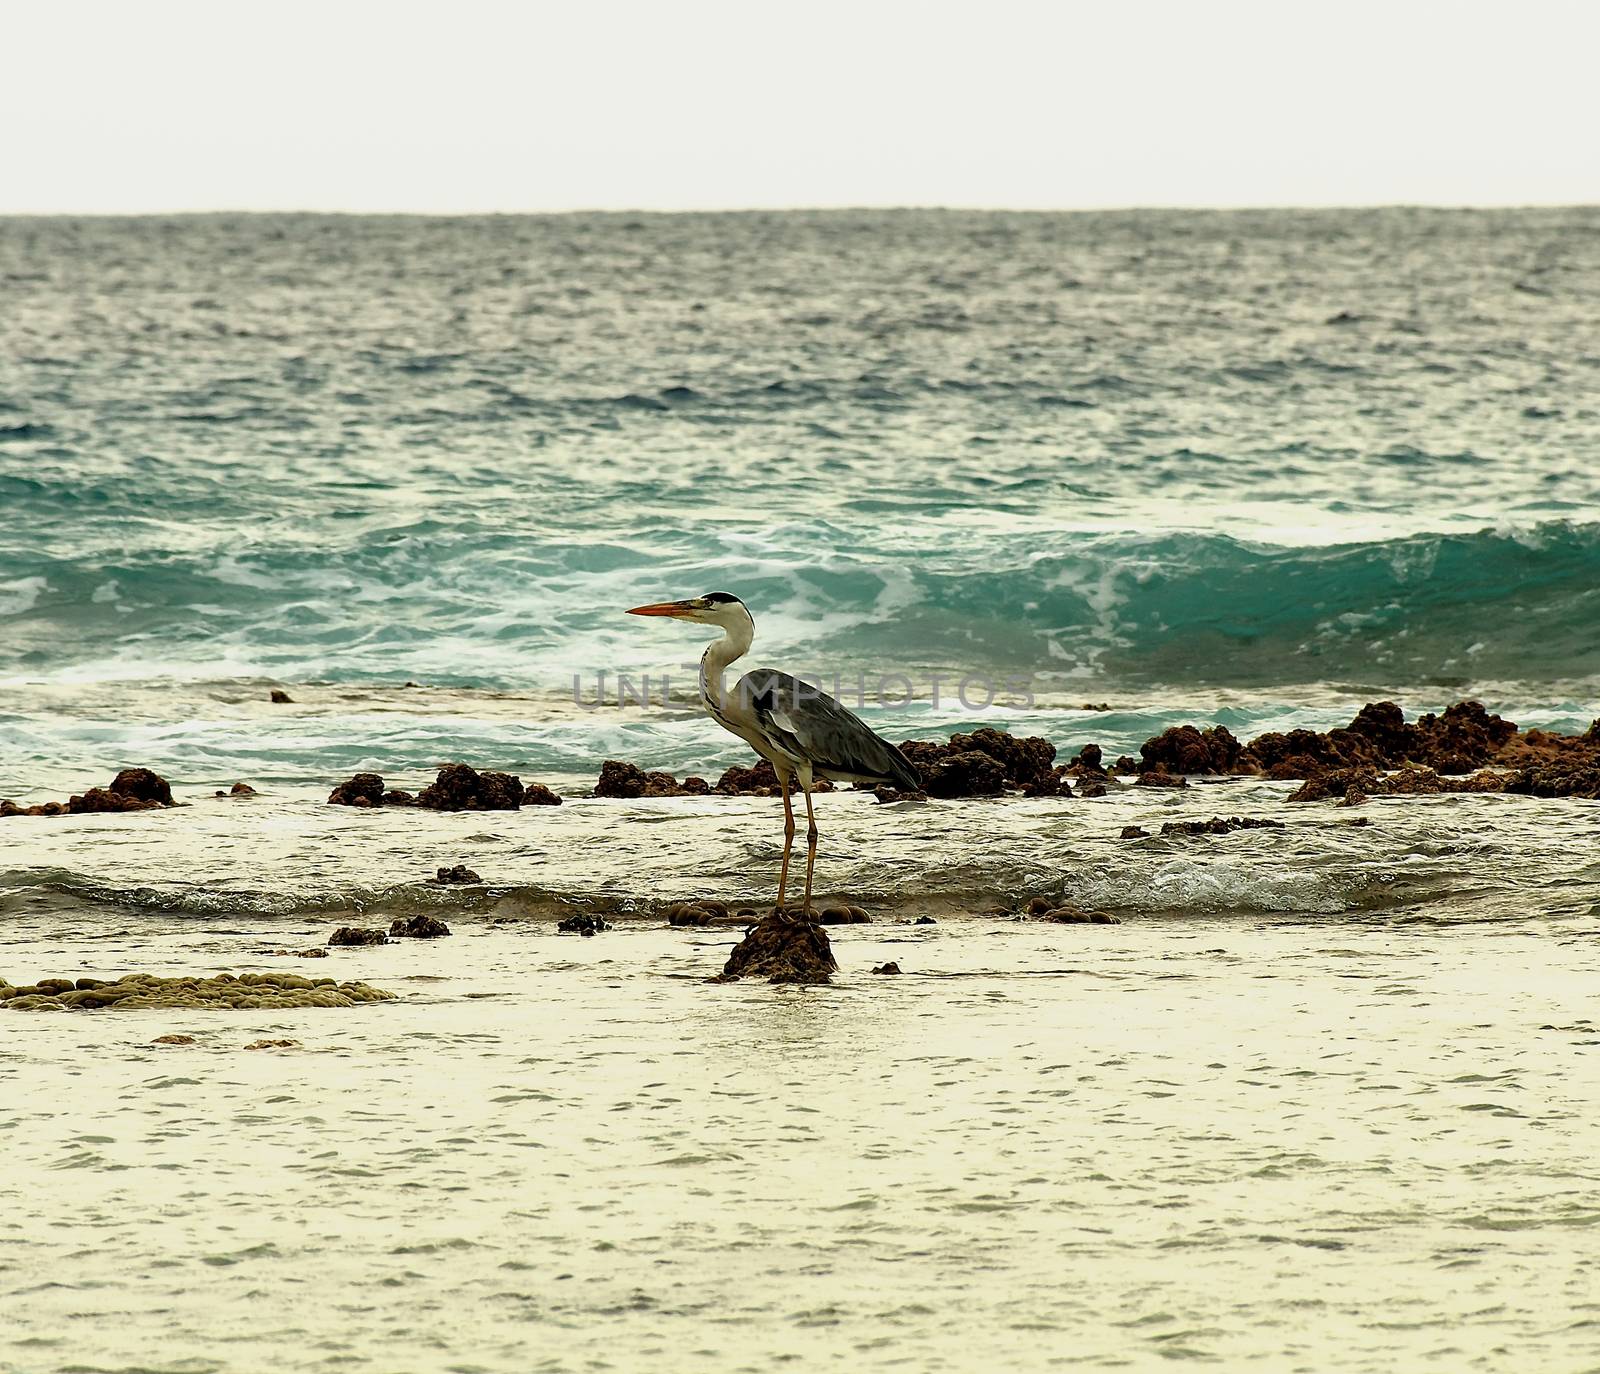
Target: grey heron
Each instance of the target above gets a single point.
(798, 728)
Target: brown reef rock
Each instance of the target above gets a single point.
(625, 780)
(418, 927)
(456, 873)
(456, 788)
(781, 950)
(357, 935)
(1185, 749)
(1219, 825)
(133, 789)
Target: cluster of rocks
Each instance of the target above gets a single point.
(1066, 913)
(454, 875)
(245, 991)
(420, 926)
(582, 924)
(626, 780)
(708, 911)
(1217, 825)
(133, 789)
(1380, 753)
(456, 788)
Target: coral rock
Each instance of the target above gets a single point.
(367, 787)
(357, 935)
(1162, 780)
(456, 873)
(460, 788)
(1219, 825)
(143, 785)
(1184, 749)
(972, 773)
(418, 927)
(249, 991)
(782, 950)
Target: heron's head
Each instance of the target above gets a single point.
(714, 608)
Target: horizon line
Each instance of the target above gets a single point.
(946, 208)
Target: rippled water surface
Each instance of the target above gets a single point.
(1324, 1099)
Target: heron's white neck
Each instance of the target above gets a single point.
(735, 643)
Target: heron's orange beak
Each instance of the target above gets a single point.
(680, 609)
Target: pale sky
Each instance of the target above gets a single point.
(167, 105)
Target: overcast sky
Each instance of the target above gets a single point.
(459, 105)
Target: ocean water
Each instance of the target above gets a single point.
(1320, 1102)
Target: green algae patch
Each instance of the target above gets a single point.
(223, 991)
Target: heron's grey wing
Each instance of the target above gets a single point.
(813, 726)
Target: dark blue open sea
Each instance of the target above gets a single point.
(1324, 1100)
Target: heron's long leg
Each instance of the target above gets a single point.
(788, 839)
(811, 847)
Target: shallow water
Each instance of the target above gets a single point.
(1312, 1145)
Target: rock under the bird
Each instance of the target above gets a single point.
(781, 949)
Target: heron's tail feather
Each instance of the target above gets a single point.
(904, 776)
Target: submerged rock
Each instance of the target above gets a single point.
(1219, 825)
(456, 873)
(418, 927)
(781, 950)
(173, 1040)
(279, 697)
(889, 795)
(704, 911)
(1161, 780)
(103, 799)
(1353, 786)
(246, 991)
(890, 967)
(1134, 832)
(1564, 777)
(584, 925)
(273, 1045)
(352, 936)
